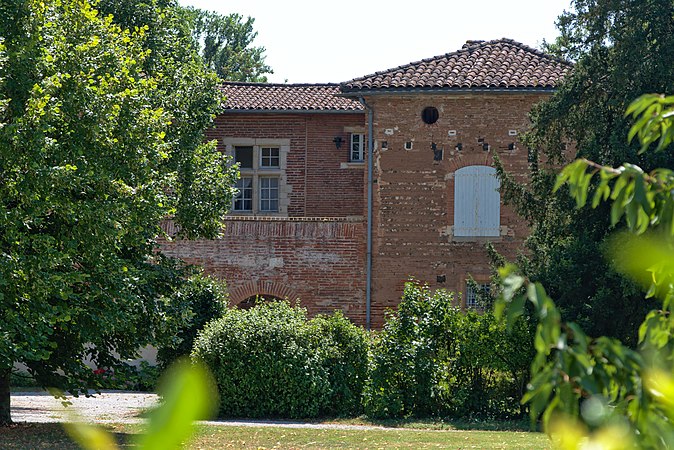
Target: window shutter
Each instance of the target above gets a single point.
(477, 203)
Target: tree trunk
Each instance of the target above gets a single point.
(5, 412)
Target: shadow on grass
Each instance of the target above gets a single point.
(519, 425)
(25, 436)
(443, 423)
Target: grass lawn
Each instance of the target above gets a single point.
(52, 436)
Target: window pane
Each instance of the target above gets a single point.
(472, 297)
(269, 157)
(357, 145)
(244, 156)
(268, 194)
(244, 199)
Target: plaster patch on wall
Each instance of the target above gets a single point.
(251, 261)
(317, 256)
(275, 263)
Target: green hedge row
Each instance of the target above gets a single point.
(431, 359)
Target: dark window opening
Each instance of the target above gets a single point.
(244, 156)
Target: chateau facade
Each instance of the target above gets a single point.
(348, 190)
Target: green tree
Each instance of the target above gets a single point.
(200, 300)
(597, 392)
(621, 49)
(100, 140)
(188, 93)
(225, 44)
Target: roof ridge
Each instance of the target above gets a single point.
(470, 45)
(536, 51)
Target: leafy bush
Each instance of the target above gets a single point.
(343, 350)
(200, 300)
(271, 361)
(433, 359)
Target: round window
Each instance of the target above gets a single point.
(430, 115)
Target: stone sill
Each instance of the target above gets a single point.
(352, 165)
(484, 239)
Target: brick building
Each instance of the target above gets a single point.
(348, 190)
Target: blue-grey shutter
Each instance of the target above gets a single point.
(477, 203)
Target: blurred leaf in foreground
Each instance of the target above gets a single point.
(189, 394)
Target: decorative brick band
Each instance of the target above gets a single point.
(291, 219)
(299, 230)
(262, 288)
(312, 227)
(472, 159)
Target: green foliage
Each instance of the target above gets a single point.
(127, 377)
(596, 391)
(644, 199)
(225, 45)
(621, 49)
(433, 359)
(188, 93)
(200, 300)
(21, 379)
(271, 361)
(101, 139)
(188, 394)
(343, 350)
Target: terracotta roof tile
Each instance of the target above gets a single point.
(498, 64)
(286, 97)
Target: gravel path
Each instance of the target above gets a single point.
(107, 407)
(124, 407)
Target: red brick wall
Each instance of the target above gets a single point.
(414, 195)
(320, 187)
(320, 262)
(323, 262)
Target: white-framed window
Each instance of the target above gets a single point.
(473, 294)
(262, 165)
(357, 149)
(477, 202)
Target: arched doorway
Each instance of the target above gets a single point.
(256, 300)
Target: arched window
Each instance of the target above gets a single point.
(477, 202)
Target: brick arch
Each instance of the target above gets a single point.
(262, 288)
(472, 159)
